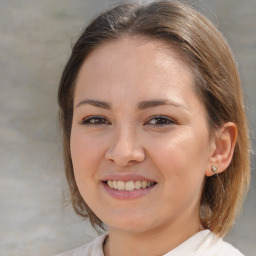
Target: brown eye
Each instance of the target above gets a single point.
(160, 121)
(95, 120)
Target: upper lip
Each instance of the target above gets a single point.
(126, 177)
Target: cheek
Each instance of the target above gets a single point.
(86, 157)
(181, 162)
(181, 154)
(85, 154)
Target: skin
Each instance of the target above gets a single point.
(176, 151)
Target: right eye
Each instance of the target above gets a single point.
(95, 120)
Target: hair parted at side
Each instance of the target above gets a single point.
(217, 84)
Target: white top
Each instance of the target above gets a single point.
(204, 243)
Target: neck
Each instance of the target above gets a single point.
(155, 242)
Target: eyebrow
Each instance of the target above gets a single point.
(141, 106)
(95, 103)
(155, 103)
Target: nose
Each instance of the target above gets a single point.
(125, 148)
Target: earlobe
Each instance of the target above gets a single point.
(224, 144)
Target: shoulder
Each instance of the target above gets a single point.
(205, 243)
(94, 248)
(212, 245)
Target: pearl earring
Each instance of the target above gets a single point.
(214, 170)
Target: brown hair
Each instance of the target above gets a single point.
(217, 84)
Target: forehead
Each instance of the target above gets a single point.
(133, 59)
(147, 47)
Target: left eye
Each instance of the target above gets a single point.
(160, 120)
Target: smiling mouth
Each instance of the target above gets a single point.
(129, 185)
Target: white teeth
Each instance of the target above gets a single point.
(110, 183)
(129, 185)
(137, 184)
(114, 184)
(120, 185)
(144, 184)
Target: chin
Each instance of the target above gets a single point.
(130, 224)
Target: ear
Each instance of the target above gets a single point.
(222, 148)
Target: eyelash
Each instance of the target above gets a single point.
(101, 120)
(162, 121)
(91, 120)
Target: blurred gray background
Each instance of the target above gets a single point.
(35, 40)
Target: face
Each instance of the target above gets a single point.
(140, 143)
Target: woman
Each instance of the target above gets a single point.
(155, 135)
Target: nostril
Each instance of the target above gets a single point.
(125, 157)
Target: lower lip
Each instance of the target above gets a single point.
(122, 194)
